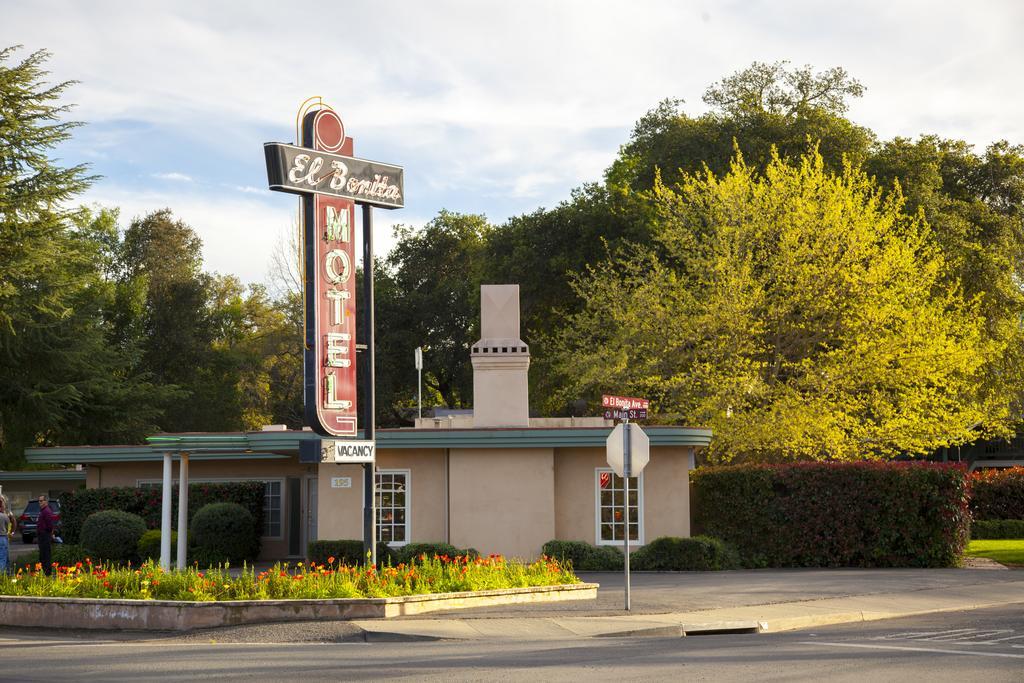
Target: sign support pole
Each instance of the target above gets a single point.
(627, 466)
(419, 382)
(369, 406)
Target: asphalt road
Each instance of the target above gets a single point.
(960, 646)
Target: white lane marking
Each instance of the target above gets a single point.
(967, 636)
(999, 640)
(917, 649)
(920, 635)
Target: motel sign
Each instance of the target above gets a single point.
(330, 182)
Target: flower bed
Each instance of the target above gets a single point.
(427, 575)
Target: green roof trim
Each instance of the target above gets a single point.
(274, 445)
(34, 475)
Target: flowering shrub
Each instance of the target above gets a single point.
(998, 494)
(437, 574)
(867, 514)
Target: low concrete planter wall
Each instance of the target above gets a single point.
(170, 615)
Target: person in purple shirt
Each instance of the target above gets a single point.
(44, 532)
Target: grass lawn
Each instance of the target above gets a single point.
(1009, 552)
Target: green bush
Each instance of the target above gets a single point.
(63, 553)
(223, 532)
(699, 553)
(149, 545)
(112, 535)
(997, 529)
(76, 506)
(997, 494)
(412, 551)
(346, 552)
(836, 514)
(585, 557)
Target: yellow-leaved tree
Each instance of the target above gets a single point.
(800, 314)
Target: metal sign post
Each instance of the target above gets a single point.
(370, 407)
(627, 461)
(419, 381)
(628, 452)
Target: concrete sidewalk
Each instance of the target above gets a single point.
(677, 604)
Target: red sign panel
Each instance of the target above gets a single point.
(624, 402)
(334, 254)
(606, 479)
(332, 312)
(624, 407)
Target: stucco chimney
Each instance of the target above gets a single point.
(501, 361)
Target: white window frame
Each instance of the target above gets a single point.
(597, 509)
(408, 505)
(231, 480)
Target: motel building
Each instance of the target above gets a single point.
(497, 480)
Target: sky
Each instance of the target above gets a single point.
(497, 108)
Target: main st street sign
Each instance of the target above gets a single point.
(331, 182)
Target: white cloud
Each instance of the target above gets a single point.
(175, 176)
(249, 189)
(487, 104)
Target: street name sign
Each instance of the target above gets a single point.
(624, 407)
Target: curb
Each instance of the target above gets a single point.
(172, 615)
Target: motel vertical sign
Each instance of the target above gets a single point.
(330, 181)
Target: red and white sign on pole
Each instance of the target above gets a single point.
(333, 287)
(331, 181)
(624, 407)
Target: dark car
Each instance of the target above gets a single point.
(30, 517)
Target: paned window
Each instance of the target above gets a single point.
(272, 508)
(393, 506)
(610, 513)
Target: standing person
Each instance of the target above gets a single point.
(7, 524)
(44, 532)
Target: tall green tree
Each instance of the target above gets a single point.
(764, 107)
(428, 294)
(62, 380)
(975, 205)
(161, 259)
(798, 312)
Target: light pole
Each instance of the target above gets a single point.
(419, 381)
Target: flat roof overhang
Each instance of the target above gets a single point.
(285, 444)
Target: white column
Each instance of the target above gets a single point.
(182, 512)
(165, 517)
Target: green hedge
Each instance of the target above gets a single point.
(412, 551)
(836, 514)
(76, 506)
(350, 552)
(148, 547)
(113, 535)
(585, 557)
(699, 553)
(997, 529)
(997, 494)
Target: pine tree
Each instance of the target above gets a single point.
(63, 378)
